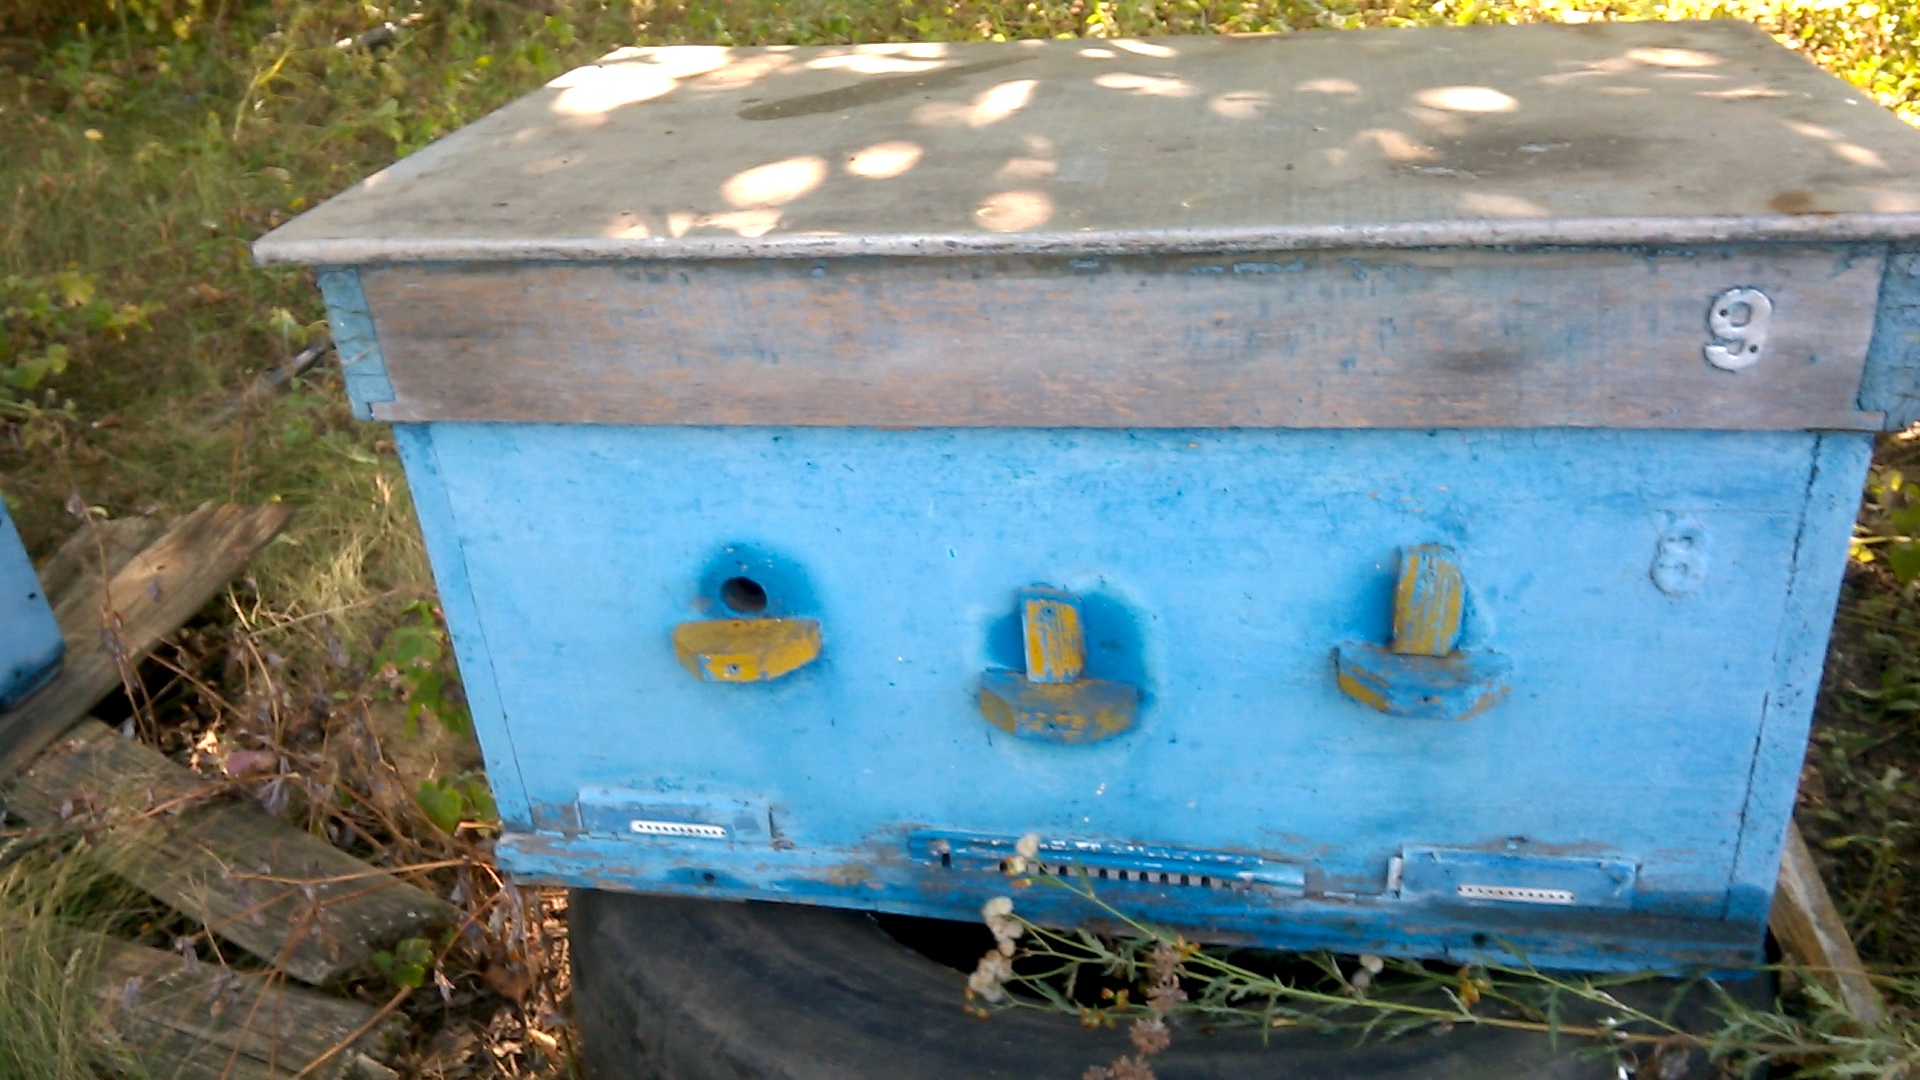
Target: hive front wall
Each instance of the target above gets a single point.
(1651, 731)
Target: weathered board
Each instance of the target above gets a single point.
(1408, 339)
(1607, 133)
(81, 566)
(202, 1022)
(1810, 931)
(286, 897)
(147, 599)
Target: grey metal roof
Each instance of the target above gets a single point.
(1603, 133)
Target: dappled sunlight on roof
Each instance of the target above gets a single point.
(630, 76)
(1674, 58)
(1015, 211)
(1473, 99)
(1158, 49)
(990, 107)
(884, 161)
(775, 183)
(1239, 104)
(1553, 133)
(1335, 85)
(1150, 85)
(1494, 204)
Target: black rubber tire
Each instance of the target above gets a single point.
(708, 990)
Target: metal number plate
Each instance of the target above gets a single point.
(1738, 321)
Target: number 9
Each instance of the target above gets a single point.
(1738, 321)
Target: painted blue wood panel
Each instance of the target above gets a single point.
(1219, 571)
(30, 641)
(1891, 381)
(362, 366)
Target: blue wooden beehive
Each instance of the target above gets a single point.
(1383, 491)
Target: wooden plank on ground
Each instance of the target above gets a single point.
(74, 575)
(208, 1023)
(159, 589)
(281, 894)
(1808, 927)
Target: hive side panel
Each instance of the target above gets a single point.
(471, 647)
(1408, 340)
(1819, 560)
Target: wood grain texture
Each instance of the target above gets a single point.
(279, 893)
(1808, 926)
(1412, 340)
(76, 572)
(147, 599)
(1618, 133)
(196, 1023)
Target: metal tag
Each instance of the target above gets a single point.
(1454, 875)
(643, 815)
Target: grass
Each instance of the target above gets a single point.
(147, 142)
(53, 903)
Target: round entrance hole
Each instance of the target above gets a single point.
(743, 595)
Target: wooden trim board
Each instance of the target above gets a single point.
(1322, 340)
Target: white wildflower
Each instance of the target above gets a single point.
(1000, 919)
(1370, 966)
(989, 979)
(1025, 851)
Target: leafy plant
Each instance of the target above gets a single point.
(1889, 528)
(447, 803)
(416, 659)
(408, 964)
(40, 316)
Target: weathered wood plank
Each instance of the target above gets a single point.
(203, 1023)
(279, 893)
(146, 600)
(75, 573)
(1408, 340)
(1807, 925)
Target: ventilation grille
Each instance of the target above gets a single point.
(1515, 894)
(1107, 862)
(676, 828)
(1143, 877)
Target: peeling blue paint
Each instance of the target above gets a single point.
(30, 641)
(355, 340)
(1891, 383)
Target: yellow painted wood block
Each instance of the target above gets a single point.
(746, 650)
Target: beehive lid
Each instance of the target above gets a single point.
(1606, 133)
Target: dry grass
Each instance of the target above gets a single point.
(53, 901)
